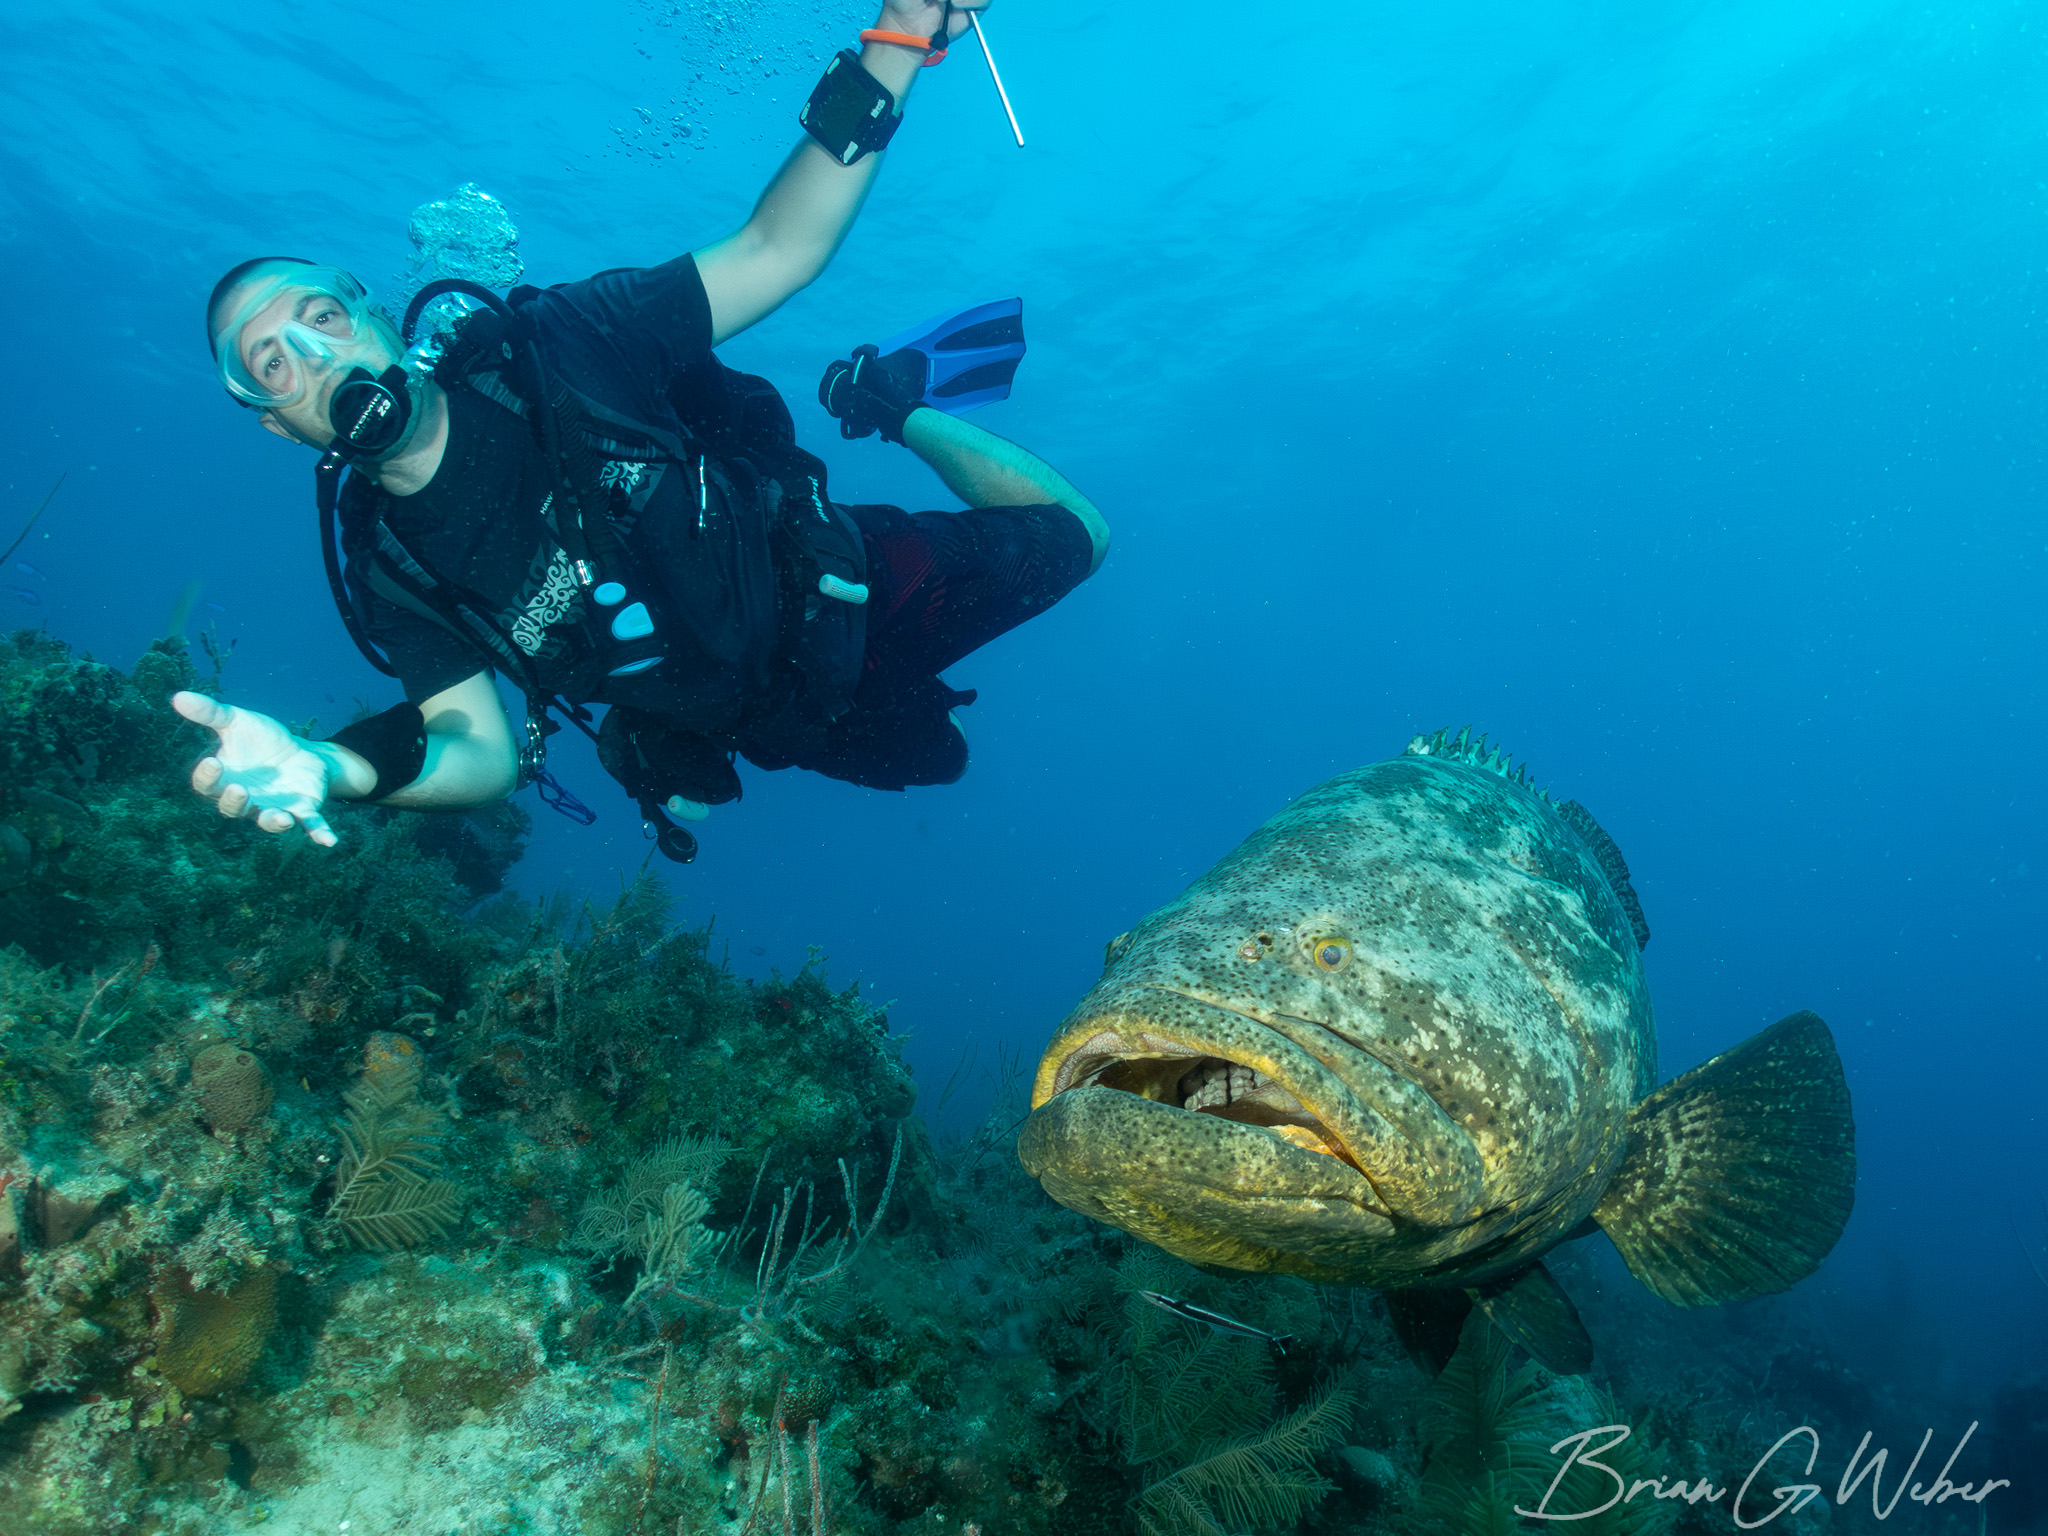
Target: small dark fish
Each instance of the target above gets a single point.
(26, 569)
(1189, 1312)
(216, 607)
(757, 949)
(26, 595)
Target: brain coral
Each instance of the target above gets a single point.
(211, 1339)
(232, 1087)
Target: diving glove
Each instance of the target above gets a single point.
(872, 393)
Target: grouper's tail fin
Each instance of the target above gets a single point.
(1741, 1173)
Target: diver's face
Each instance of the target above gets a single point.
(299, 346)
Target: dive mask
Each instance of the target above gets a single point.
(294, 325)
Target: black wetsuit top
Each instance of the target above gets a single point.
(639, 342)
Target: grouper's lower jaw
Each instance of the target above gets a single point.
(1292, 1080)
(1208, 1190)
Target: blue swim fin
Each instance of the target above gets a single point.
(970, 357)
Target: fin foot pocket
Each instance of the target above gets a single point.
(1741, 1173)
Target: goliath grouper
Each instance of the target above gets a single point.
(1401, 1039)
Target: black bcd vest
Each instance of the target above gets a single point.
(610, 632)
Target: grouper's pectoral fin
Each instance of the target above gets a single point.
(1740, 1174)
(1531, 1308)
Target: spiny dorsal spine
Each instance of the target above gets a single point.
(1462, 748)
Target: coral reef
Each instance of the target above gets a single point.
(212, 1339)
(232, 1088)
(388, 1192)
(337, 1186)
(1488, 1430)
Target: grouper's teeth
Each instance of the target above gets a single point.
(1215, 1084)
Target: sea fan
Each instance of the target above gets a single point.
(1189, 1392)
(1478, 1412)
(1639, 1459)
(1488, 1434)
(619, 1217)
(673, 1240)
(388, 1192)
(1263, 1480)
(1180, 1386)
(1482, 1508)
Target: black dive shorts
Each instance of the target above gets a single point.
(941, 585)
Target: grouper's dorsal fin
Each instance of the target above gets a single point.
(1740, 1174)
(1463, 748)
(1612, 864)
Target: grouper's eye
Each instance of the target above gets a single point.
(1329, 954)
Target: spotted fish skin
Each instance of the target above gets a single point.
(1436, 987)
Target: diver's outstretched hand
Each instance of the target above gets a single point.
(259, 770)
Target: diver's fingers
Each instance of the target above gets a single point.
(234, 800)
(315, 825)
(201, 710)
(206, 776)
(686, 810)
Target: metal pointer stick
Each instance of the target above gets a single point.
(974, 21)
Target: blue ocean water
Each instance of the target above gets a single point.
(1655, 386)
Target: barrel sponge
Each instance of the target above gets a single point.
(210, 1340)
(232, 1087)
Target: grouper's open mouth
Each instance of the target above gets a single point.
(1210, 1085)
(1255, 1142)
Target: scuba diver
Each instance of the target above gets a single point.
(567, 487)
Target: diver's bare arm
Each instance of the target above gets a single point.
(471, 756)
(984, 470)
(811, 204)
